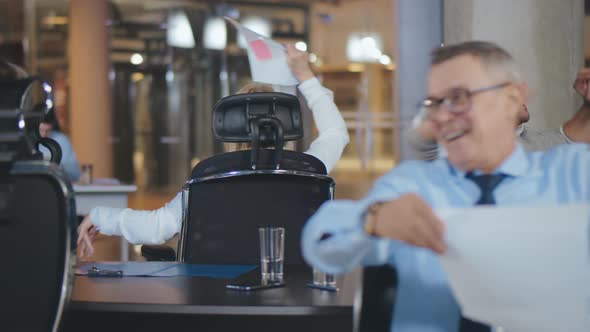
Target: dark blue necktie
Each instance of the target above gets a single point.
(487, 184)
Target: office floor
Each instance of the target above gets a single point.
(350, 184)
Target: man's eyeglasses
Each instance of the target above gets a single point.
(457, 101)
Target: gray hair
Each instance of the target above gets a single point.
(493, 57)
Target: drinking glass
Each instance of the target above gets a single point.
(272, 251)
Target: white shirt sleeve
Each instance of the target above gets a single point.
(333, 135)
(140, 227)
(347, 246)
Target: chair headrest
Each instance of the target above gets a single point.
(20, 93)
(234, 117)
(23, 104)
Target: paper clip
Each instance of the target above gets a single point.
(94, 271)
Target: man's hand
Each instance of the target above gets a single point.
(298, 62)
(409, 219)
(86, 234)
(582, 84)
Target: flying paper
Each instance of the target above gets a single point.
(268, 63)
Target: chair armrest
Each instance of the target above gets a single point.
(158, 253)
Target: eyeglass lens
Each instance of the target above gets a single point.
(458, 100)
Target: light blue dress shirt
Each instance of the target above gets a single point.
(424, 300)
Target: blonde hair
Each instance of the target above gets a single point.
(254, 87)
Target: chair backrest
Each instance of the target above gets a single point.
(226, 209)
(240, 160)
(375, 298)
(37, 241)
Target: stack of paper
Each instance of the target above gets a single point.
(523, 269)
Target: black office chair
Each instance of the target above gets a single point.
(375, 298)
(37, 228)
(24, 103)
(230, 195)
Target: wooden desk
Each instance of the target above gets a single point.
(204, 304)
(89, 196)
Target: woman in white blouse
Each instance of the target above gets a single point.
(157, 226)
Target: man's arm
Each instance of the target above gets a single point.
(345, 234)
(577, 129)
(333, 239)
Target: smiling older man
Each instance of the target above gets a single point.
(474, 99)
(576, 129)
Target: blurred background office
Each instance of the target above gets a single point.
(135, 80)
(167, 62)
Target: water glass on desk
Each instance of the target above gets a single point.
(272, 252)
(323, 279)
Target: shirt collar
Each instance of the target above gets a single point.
(519, 130)
(517, 164)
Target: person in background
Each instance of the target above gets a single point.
(576, 129)
(474, 99)
(157, 226)
(49, 127)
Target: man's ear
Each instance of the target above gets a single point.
(519, 92)
(516, 95)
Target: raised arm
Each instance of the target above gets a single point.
(345, 234)
(332, 132)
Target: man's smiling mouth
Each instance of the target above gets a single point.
(453, 135)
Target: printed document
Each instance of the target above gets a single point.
(522, 269)
(268, 62)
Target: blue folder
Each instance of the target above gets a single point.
(166, 269)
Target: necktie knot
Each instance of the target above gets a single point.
(487, 183)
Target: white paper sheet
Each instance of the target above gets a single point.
(524, 269)
(268, 63)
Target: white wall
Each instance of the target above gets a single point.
(545, 37)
